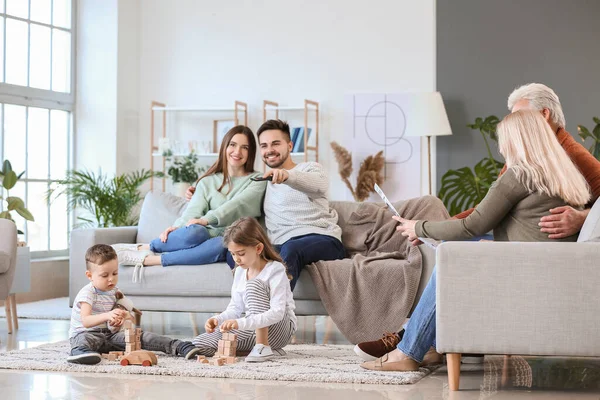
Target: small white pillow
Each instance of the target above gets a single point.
(159, 211)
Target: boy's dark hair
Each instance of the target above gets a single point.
(275, 125)
(99, 254)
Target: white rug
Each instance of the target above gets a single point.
(44, 309)
(304, 363)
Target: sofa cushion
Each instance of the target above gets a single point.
(591, 227)
(186, 281)
(159, 211)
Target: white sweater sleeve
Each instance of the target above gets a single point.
(312, 181)
(278, 285)
(235, 308)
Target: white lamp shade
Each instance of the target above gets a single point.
(426, 115)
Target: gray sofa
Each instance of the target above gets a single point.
(519, 298)
(190, 288)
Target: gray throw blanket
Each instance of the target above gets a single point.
(373, 291)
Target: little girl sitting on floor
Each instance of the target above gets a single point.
(261, 289)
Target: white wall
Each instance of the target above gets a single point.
(96, 90)
(199, 52)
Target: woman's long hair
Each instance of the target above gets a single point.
(247, 231)
(221, 164)
(531, 149)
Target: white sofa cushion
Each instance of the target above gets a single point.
(159, 211)
(590, 231)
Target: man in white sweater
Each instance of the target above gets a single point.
(297, 215)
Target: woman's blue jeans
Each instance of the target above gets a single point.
(189, 245)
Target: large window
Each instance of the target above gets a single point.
(36, 111)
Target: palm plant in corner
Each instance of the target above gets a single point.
(584, 133)
(105, 201)
(369, 173)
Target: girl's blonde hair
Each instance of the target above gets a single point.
(247, 231)
(531, 149)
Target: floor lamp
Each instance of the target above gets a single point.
(426, 116)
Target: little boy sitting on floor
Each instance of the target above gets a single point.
(93, 313)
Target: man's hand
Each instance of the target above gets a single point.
(190, 192)
(563, 221)
(163, 236)
(197, 221)
(229, 325)
(279, 175)
(407, 228)
(210, 325)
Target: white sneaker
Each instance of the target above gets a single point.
(119, 247)
(136, 259)
(260, 353)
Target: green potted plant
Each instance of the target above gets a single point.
(464, 188)
(107, 201)
(584, 133)
(183, 170)
(13, 203)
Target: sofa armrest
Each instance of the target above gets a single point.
(83, 239)
(518, 298)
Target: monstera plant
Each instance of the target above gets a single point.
(13, 203)
(465, 187)
(584, 133)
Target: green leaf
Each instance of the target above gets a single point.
(20, 175)
(20, 232)
(23, 212)
(9, 180)
(596, 120)
(5, 215)
(465, 188)
(14, 203)
(6, 167)
(584, 133)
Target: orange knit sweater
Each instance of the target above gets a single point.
(581, 157)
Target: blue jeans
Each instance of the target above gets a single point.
(419, 332)
(307, 249)
(189, 245)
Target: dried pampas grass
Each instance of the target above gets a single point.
(369, 173)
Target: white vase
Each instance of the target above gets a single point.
(180, 188)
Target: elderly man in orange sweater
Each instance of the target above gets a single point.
(561, 222)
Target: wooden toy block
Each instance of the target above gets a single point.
(227, 344)
(138, 331)
(204, 361)
(129, 348)
(217, 361)
(230, 337)
(112, 357)
(138, 338)
(231, 360)
(200, 358)
(129, 338)
(230, 352)
(105, 355)
(127, 324)
(129, 332)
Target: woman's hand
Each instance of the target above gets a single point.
(197, 221)
(229, 325)
(163, 236)
(210, 325)
(189, 193)
(407, 228)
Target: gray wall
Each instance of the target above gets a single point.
(486, 48)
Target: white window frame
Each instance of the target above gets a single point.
(34, 97)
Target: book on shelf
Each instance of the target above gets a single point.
(299, 143)
(294, 135)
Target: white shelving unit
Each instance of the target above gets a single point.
(238, 108)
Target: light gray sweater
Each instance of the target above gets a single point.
(299, 206)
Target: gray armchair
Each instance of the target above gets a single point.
(515, 298)
(8, 264)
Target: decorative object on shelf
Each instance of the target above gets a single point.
(369, 174)
(220, 129)
(464, 188)
(108, 201)
(584, 133)
(183, 170)
(13, 203)
(203, 147)
(164, 145)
